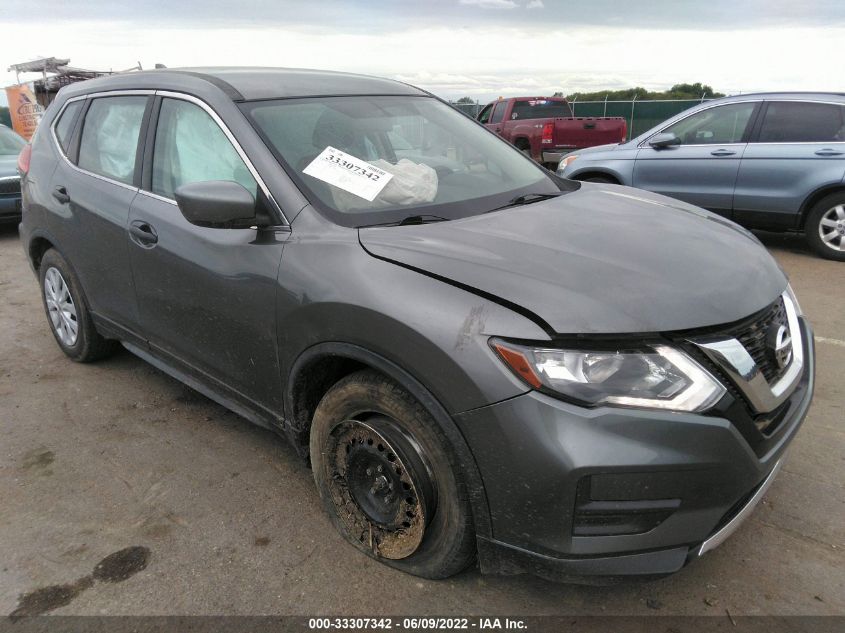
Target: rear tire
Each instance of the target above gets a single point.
(67, 311)
(370, 439)
(825, 227)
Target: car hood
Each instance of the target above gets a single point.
(598, 148)
(604, 259)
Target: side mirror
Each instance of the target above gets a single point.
(216, 204)
(663, 140)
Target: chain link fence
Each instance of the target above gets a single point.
(641, 115)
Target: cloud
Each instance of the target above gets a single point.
(489, 61)
(490, 4)
(535, 4)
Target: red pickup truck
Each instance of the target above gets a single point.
(545, 128)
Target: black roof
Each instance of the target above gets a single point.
(246, 84)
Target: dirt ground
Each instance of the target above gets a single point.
(123, 492)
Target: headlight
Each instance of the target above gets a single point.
(564, 162)
(660, 378)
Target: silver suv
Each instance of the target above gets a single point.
(767, 161)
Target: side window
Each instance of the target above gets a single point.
(110, 136)
(191, 147)
(714, 126)
(64, 126)
(796, 122)
(484, 115)
(499, 112)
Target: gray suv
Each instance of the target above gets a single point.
(480, 360)
(768, 161)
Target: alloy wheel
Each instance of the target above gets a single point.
(61, 307)
(832, 228)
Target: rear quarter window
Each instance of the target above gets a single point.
(65, 125)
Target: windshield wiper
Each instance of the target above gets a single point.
(527, 198)
(424, 218)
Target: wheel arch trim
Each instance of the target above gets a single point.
(596, 171)
(814, 197)
(349, 351)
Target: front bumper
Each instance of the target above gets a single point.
(554, 155)
(546, 464)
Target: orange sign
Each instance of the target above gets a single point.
(24, 110)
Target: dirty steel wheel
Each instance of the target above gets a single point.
(67, 311)
(387, 478)
(825, 227)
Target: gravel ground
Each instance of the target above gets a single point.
(123, 492)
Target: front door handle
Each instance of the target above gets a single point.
(828, 152)
(723, 152)
(60, 194)
(143, 233)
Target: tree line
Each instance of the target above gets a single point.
(678, 91)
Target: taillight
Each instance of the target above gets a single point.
(24, 158)
(548, 132)
(624, 131)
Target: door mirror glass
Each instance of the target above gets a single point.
(664, 139)
(216, 204)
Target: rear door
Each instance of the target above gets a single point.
(798, 147)
(702, 170)
(206, 296)
(92, 189)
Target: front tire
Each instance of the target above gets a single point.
(388, 479)
(825, 227)
(67, 311)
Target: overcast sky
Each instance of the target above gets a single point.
(480, 48)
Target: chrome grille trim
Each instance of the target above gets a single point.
(731, 356)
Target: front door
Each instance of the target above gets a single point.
(702, 169)
(206, 296)
(497, 116)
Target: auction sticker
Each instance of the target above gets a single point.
(348, 173)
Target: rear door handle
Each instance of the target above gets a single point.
(723, 152)
(143, 234)
(828, 152)
(60, 194)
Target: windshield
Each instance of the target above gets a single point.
(10, 142)
(379, 159)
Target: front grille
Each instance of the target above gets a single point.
(10, 185)
(753, 337)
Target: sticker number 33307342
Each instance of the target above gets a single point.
(346, 172)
